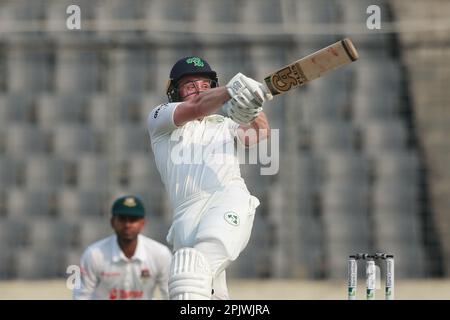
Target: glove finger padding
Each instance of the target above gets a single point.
(249, 112)
(238, 106)
(246, 90)
(238, 115)
(255, 89)
(259, 90)
(246, 100)
(244, 109)
(251, 99)
(240, 118)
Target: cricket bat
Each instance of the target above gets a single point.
(311, 67)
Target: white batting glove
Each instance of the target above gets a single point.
(247, 99)
(248, 92)
(240, 114)
(257, 88)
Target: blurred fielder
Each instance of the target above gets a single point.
(126, 265)
(213, 210)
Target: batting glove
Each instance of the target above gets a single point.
(239, 113)
(250, 93)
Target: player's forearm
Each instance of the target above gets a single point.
(210, 101)
(261, 125)
(206, 103)
(258, 130)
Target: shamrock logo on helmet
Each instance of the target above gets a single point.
(196, 61)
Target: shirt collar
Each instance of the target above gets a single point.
(117, 253)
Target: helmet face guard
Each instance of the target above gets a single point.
(185, 67)
(173, 91)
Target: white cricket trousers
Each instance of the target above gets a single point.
(219, 226)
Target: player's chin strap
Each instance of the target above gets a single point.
(190, 276)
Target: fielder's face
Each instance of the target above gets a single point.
(127, 228)
(191, 86)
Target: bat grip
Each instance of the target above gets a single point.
(266, 92)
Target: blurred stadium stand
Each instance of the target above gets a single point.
(364, 152)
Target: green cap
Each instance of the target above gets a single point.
(128, 206)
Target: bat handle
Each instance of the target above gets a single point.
(266, 92)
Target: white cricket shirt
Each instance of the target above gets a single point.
(106, 273)
(196, 159)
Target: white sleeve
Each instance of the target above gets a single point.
(163, 276)
(89, 279)
(160, 120)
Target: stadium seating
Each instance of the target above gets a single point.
(141, 170)
(129, 109)
(269, 59)
(317, 107)
(128, 139)
(171, 10)
(29, 71)
(7, 263)
(51, 233)
(101, 112)
(261, 11)
(13, 233)
(311, 11)
(308, 171)
(77, 71)
(371, 75)
(72, 256)
(22, 10)
(93, 230)
(39, 263)
(217, 11)
(24, 139)
(131, 71)
(70, 141)
(398, 166)
(7, 172)
(83, 203)
(61, 110)
(156, 227)
(371, 106)
(108, 13)
(333, 135)
(93, 172)
(73, 112)
(347, 167)
(400, 197)
(16, 108)
(345, 212)
(35, 204)
(43, 172)
(384, 136)
(223, 58)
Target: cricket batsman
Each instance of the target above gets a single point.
(213, 210)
